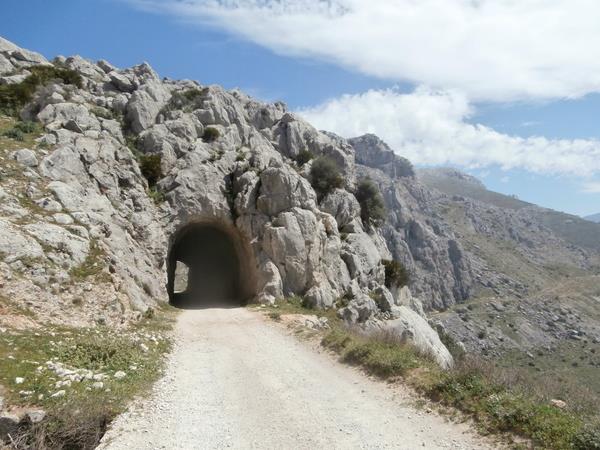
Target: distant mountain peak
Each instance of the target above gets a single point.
(593, 218)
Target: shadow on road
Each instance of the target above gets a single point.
(190, 301)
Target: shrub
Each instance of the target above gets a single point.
(372, 207)
(26, 127)
(15, 134)
(303, 157)
(157, 196)
(13, 97)
(588, 438)
(103, 113)
(396, 274)
(186, 100)
(325, 176)
(150, 165)
(211, 134)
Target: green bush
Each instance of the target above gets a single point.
(157, 196)
(13, 97)
(186, 100)
(15, 134)
(588, 438)
(396, 274)
(303, 157)
(372, 207)
(325, 176)
(211, 134)
(150, 165)
(26, 127)
(103, 113)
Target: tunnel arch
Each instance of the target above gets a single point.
(219, 263)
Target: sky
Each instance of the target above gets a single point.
(506, 90)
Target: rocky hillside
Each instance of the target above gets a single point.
(536, 300)
(103, 167)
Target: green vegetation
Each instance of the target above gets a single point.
(15, 135)
(186, 100)
(103, 113)
(241, 156)
(396, 274)
(325, 176)
(216, 155)
(372, 206)
(275, 315)
(211, 134)
(13, 97)
(382, 355)
(79, 417)
(157, 196)
(93, 266)
(150, 165)
(303, 157)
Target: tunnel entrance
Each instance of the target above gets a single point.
(209, 265)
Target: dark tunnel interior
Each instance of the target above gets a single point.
(205, 269)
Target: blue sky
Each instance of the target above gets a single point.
(271, 63)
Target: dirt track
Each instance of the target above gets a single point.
(236, 380)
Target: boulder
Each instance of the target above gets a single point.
(145, 104)
(412, 328)
(25, 157)
(16, 245)
(61, 240)
(342, 205)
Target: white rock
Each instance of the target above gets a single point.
(411, 327)
(120, 374)
(19, 380)
(26, 157)
(62, 219)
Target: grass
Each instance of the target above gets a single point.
(92, 266)
(382, 356)
(79, 418)
(15, 134)
(501, 400)
(157, 196)
(9, 306)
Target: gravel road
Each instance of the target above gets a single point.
(237, 380)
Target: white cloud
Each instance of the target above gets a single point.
(591, 187)
(495, 50)
(432, 127)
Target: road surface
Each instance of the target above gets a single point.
(237, 380)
